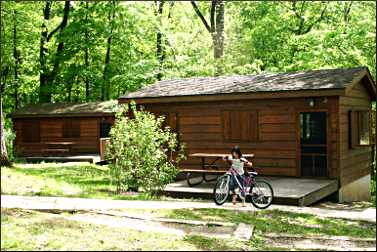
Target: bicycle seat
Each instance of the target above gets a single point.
(253, 173)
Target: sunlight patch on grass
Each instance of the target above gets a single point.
(82, 180)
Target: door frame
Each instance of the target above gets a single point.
(298, 141)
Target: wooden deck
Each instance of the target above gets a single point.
(91, 158)
(290, 191)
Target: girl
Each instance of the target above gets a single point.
(237, 162)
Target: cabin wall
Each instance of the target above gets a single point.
(200, 126)
(51, 134)
(355, 162)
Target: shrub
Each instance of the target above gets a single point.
(142, 151)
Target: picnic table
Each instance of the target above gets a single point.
(208, 167)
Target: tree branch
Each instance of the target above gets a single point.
(60, 47)
(213, 11)
(317, 20)
(62, 24)
(200, 16)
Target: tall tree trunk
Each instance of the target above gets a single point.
(216, 29)
(218, 43)
(105, 94)
(16, 56)
(87, 93)
(4, 160)
(44, 92)
(159, 41)
(47, 77)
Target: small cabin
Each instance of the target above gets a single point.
(62, 129)
(313, 124)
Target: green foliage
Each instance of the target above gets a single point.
(9, 138)
(142, 151)
(259, 36)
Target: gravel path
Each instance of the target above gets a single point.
(61, 203)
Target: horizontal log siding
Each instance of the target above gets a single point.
(356, 162)
(51, 131)
(200, 128)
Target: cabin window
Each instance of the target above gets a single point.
(105, 128)
(31, 131)
(71, 128)
(363, 117)
(359, 128)
(240, 126)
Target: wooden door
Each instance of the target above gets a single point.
(313, 144)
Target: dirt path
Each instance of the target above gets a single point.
(32, 202)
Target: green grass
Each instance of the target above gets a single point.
(31, 230)
(69, 180)
(274, 221)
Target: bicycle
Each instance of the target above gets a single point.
(260, 191)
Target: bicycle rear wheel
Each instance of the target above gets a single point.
(221, 190)
(261, 194)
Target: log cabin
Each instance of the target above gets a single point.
(313, 124)
(62, 129)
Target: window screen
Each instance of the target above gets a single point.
(363, 119)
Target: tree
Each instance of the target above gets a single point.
(216, 29)
(4, 160)
(87, 92)
(16, 56)
(47, 77)
(105, 94)
(160, 52)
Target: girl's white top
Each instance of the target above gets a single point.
(237, 164)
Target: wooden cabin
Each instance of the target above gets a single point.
(62, 129)
(299, 124)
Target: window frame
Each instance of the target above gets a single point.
(359, 113)
(354, 130)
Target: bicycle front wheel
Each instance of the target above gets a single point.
(221, 190)
(261, 194)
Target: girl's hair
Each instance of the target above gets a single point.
(237, 150)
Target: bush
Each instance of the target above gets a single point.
(142, 151)
(9, 135)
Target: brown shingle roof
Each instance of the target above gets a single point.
(68, 109)
(266, 82)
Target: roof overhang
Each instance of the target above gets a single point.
(15, 116)
(236, 96)
(367, 81)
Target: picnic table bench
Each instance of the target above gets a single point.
(54, 148)
(208, 168)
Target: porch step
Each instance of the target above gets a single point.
(288, 191)
(82, 158)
